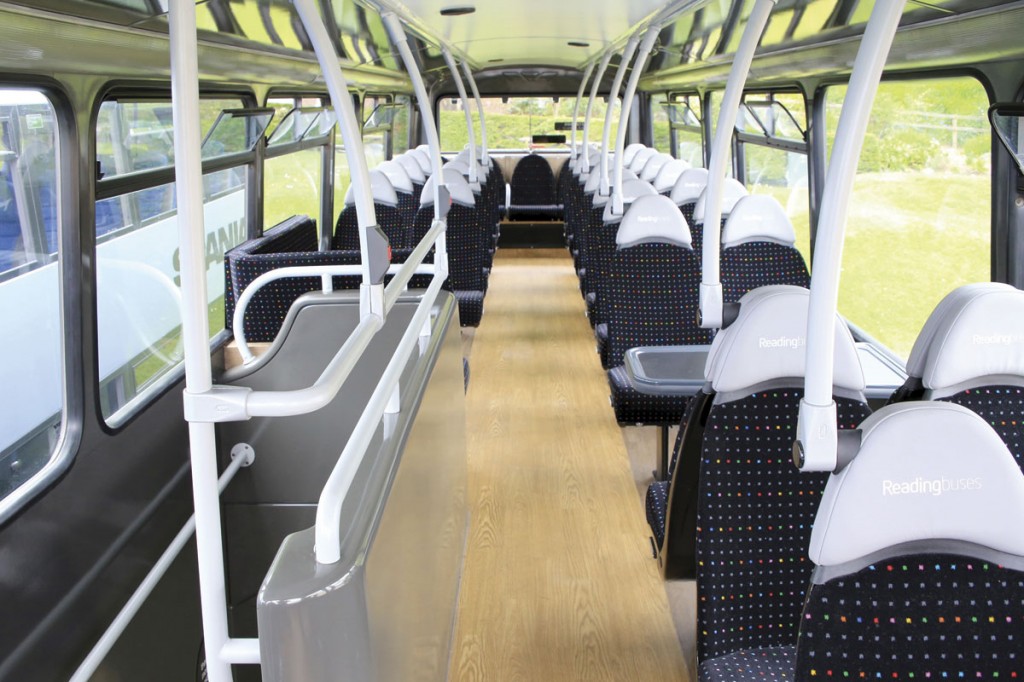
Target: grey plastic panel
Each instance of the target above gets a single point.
(385, 611)
(881, 374)
(667, 370)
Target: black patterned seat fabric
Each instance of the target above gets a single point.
(769, 663)
(754, 517)
(1003, 408)
(930, 616)
(391, 219)
(757, 264)
(533, 190)
(652, 292)
(466, 258)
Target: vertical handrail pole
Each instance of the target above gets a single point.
(473, 176)
(590, 107)
(711, 285)
(485, 157)
(371, 299)
(195, 329)
(817, 438)
(401, 41)
(627, 56)
(574, 151)
(627, 107)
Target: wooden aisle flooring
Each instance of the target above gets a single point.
(559, 583)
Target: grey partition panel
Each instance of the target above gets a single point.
(385, 611)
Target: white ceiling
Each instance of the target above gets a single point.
(529, 32)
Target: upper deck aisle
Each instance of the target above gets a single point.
(558, 582)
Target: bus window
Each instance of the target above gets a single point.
(770, 129)
(687, 133)
(137, 259)
(919, 222)
(400, 126)
(376, 137)
(661, 128)
(291, 177)
(31, 369)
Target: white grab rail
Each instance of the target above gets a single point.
(474, 178)
(574, 153)
(627, 56)
(590, 108)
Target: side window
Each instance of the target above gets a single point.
(687, 134)
(920, 216)
(137, 258)
(377, 118)
(771, 132)
(291, 172)
(400, 126)
(660, 124)
(31, 342)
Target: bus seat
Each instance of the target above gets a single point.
(405, 188)
(654, 166)
(971, 353)
(652, 301)
(412, 167)
(389, 215)
(630, 152)
(754, 508)
(668, 174)
(687, 190)
(423, 159)
(732, 191)
(759, 248)
(640, 159)
(533, 189)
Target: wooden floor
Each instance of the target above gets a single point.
(559, 583)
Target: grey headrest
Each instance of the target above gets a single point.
(423, 159)
(732, 191)
(978, 332)
(640, 159)
(630, 151)
(412, 167)
(653, 219)
(689, 186)
(462, 163)
(925, 471)
(758, 218)
(594, 181)
(653, 166)
(631, 191)
(628, 175)
(425, 148)
(668, 175)
(457, 186)
(577, 167)
(768, 341)
(396, 173)
(380, 188)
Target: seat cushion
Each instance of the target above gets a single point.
(769, 663)
(471, 307)
(601, 333)
(633, 407)
(657, 503)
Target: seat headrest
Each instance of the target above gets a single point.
(577, 167)
(457, 185)
(425, 148)
(640, 159)
(594, 182)
(412, 167)
(654, 165)
(397, 174)
(380, 188)
(768, 341)
(631, 191)
(732, 191)
(925, 471)
(653, 219)
(423, 159)
(976, 331)
(628, 175)
(689, 186)
(630, 151)
(668, 175)
(758, 218)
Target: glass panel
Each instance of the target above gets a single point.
(342, 175)
(660, 124)
(375, 148)
(690, 147)
(770, 118)
(138, 295)
(920, 216)
(291, 186)
(400, 126)
(1008, 122)
(135, 136)
(294, 126)
(513, 121)
(31, 368)
(236, 130)
(783, 175)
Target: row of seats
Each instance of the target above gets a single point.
(403, 195)
(646, 293)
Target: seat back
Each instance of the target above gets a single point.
(668, 175)
(533, 185)
(466, 242)
(971, 352)
(754, 508)
(640, 159)
(654, 166)
(919, 555)
(652, 281)
(759, 248)
(386, 207)
(687, 190)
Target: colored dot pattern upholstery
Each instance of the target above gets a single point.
(754, 517)
(1003, 408)
(657, 493)
(390, 219)
(408, 204)
(927, 617)
(652, 294)
(466, 258)
(533, 186)
(768, 663)
(757, 264)
(593, 221)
